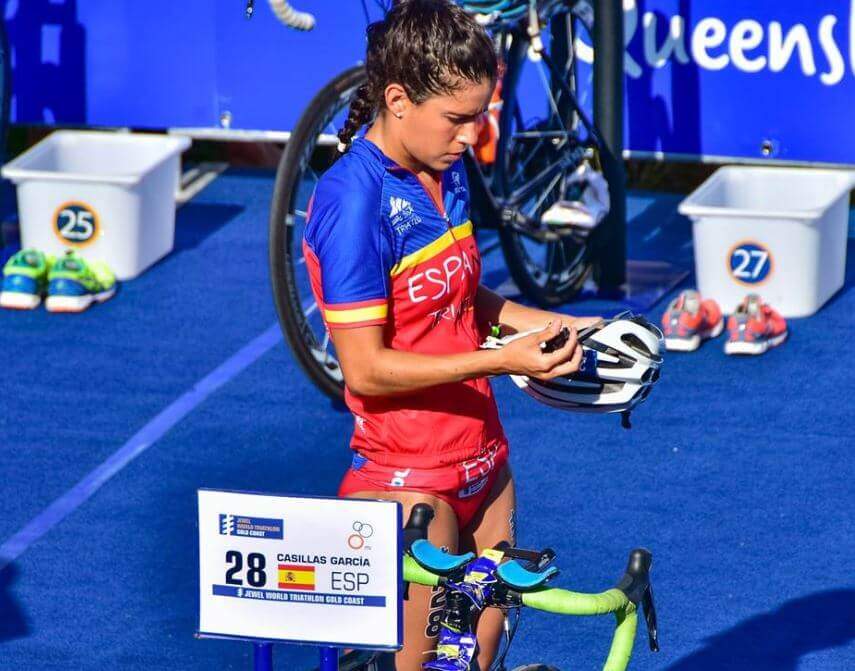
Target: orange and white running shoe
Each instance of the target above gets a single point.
(689, 320)
(754, 327)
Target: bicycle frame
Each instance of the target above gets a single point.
(463, 600)
(503, 204)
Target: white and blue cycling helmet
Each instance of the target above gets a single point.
(621, 361)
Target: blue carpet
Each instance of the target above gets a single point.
(737, 474)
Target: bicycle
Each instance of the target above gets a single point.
(534, 158)
(498, 579)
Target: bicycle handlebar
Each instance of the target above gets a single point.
(565, 602)
(622, 600)
(416, 574)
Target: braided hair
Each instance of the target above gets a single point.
(429, 47)
(360, 113)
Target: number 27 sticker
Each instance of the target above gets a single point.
(750, 263)
(76, 224)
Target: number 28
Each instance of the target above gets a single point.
(255, 575)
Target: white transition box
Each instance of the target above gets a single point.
(777, 232)
(111, 196)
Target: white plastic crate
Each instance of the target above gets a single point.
(777, 232)
(109, 195)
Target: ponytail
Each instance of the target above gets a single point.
(360, 113)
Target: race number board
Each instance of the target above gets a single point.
(321, 571)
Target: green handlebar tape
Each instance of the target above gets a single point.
(565, 602)
(621, 650)
(416, 574)
(614, 601)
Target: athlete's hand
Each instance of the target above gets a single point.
(526, 356)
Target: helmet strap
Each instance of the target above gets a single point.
(624, 419)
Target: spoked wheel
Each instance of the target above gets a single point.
(539, 146)
(310, 151)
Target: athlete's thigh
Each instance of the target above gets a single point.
(420, 629)
(496, 520)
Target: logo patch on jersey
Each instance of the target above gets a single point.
(400, 479)
(399, 205)
(451, 312)
(472, 489)
(402, 215)
(458, 186)
(435, 283)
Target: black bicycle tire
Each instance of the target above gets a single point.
(510, 238)
(281, 261)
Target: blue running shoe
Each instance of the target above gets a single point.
(75, 283)
(25, 279)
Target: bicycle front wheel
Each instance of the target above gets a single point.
(310, 151)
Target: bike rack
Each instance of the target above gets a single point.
(608, 115)
(263, 658)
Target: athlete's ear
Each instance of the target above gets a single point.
(397, 100)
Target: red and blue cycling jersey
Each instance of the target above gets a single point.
(380, 252)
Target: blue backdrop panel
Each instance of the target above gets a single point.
(267, 73)
(104, 62)
(702, 76)
(739, 84)
(160, 63)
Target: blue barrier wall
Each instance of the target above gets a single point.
(739, 73)
(703, 77)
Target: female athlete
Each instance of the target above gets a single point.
(395, 270)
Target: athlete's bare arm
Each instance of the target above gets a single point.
(372, 369)
(490, 308)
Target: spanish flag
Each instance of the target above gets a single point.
(295, 576)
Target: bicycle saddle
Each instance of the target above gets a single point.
(518, 578)
(443, 563)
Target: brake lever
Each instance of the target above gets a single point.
(650, 618)
(635, 584)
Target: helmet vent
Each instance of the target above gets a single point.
(635, 343)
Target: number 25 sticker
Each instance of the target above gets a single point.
(76, 224)
(750, 263)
